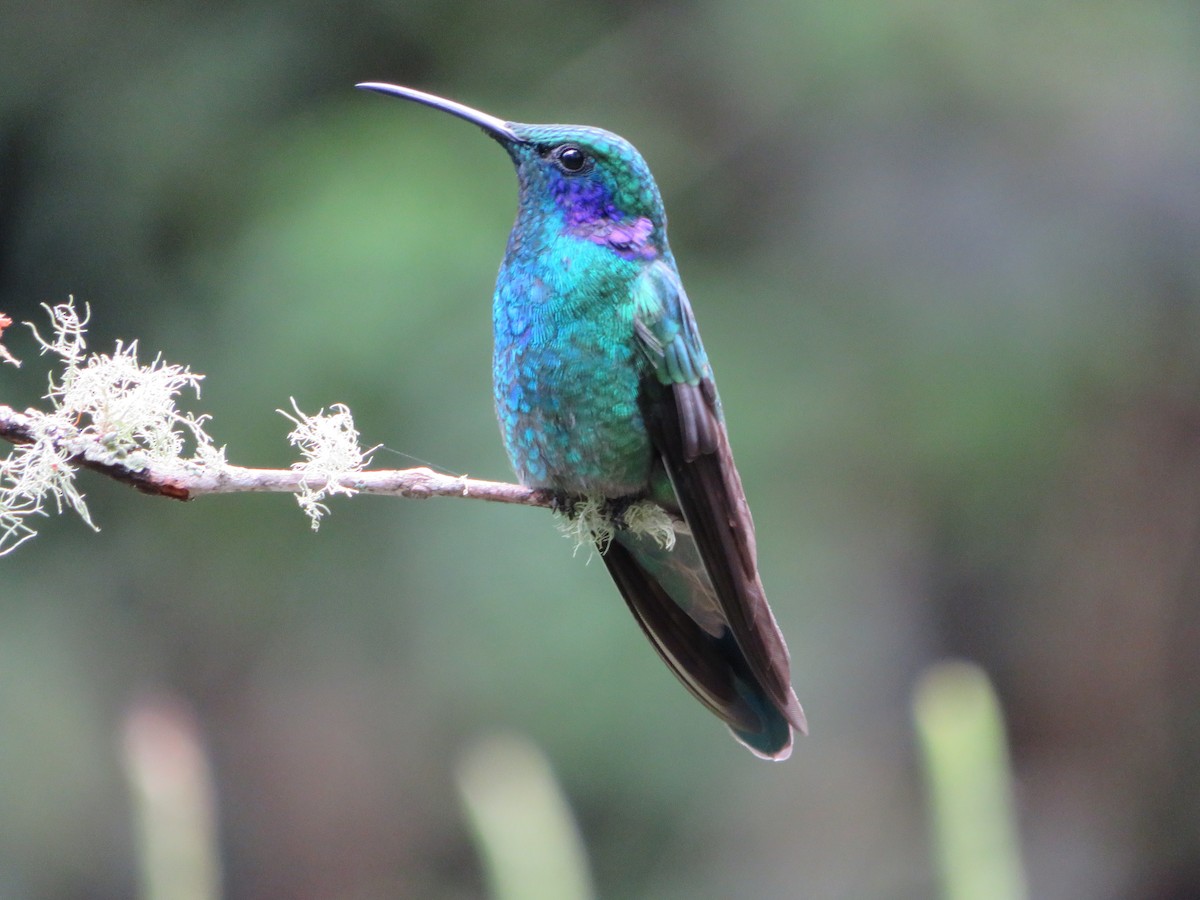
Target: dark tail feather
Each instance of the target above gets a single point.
(706, 659)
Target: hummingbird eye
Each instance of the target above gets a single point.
(571, 160)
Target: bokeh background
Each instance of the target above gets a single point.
(946, 259)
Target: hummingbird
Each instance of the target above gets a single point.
(603, 391)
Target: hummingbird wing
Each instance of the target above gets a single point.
(742, 670)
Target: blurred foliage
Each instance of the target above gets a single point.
(944, 258)
(969, 783)
(522, 824)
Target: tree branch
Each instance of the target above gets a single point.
(181, 481)
(116, 416)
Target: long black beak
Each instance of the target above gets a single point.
(497, 128)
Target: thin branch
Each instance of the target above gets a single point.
(181, 481)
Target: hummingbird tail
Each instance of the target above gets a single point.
(673, 604)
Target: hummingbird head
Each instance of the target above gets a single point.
(594, 183)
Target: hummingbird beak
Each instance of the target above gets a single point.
(497, 128)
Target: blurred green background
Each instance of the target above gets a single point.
(945, 259)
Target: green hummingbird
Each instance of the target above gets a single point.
(603, 391)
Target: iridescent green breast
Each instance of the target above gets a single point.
(567, 369)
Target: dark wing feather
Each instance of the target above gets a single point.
(683, 417)
(694, 655)
(709, 663)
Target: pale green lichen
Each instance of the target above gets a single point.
(329, 444)
(650, 520)
(107, 408)
(587, 524)
(590, 522)
(127, 407)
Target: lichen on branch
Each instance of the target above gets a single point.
(117, 416)
(105, 409)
